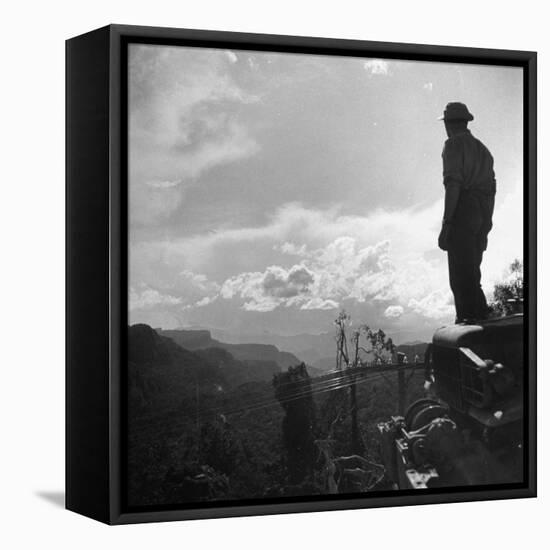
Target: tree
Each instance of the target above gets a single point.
(220, 449)
(342, 322)
(293, 391)
(377, 345)
(508, 294)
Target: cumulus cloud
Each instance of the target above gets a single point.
(413, 232)
(346, 271)
(294, 225)
(205, 301)
(264, 291)
(329, 276)
(290, 248)
(393, 312)
(287, 284)
(334, 258)
(197, 281)
(506, 238)
(377, 67)
(185, 290)
(319, 303)
(435, 305)
(144, 297)
(322, 260)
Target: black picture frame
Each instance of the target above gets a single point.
(96, 267)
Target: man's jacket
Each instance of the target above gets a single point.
(469, 164)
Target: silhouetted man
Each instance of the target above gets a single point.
(470, 187)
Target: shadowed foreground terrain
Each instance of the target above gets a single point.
(204, 425)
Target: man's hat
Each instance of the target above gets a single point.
(456, 111)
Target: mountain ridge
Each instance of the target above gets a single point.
(202, 339)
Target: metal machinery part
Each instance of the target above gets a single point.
(470, 432)
(419, 444)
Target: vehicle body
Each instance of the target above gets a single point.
(468, 428)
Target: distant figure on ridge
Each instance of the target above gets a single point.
(470, 187)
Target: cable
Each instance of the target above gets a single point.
(315, 388)
(292, 397)
(205, 414)
(331, 384)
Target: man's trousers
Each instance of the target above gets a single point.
(465, 254)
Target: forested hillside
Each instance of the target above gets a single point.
(204, 425)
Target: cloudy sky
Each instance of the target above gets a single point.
(267, 191)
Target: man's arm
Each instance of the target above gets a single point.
(488, 222)
(452, 193)
(452, 180)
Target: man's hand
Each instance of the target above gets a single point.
(482, 242)
(443, 241)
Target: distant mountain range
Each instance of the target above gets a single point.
(316, 350)
(308, 347)
(202, 339)
(159, 368)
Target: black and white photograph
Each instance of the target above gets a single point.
(274, 275)
(325, 276)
